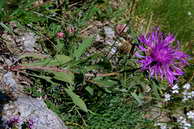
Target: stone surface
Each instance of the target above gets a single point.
(27, 108)
(9, 87)
(9, 80)
(109, 32)
(29, 40)
(19, 41)
(15, 104)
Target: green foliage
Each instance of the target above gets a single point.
(62, 76)
(172, 16)
(82, 48)
(2, 2)
(117, 112)
(58, 60)
(76, 99)
(6, 28)
(138, 98)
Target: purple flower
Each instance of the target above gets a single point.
(161, 58)
(30, 123)
(13, 121)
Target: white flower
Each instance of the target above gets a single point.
(113, 50)
(190, 115)
(185, 93)
(189, 13)
(183, 122)
(186, 125)
(167, 97)
(175, 91)
(162, 125)
(192, 93)
(180, 119)
(189, 95)
(184, 98)
(187, 86)
(175, 87)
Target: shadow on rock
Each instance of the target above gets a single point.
(4, 99)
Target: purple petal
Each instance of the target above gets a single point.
(142, 48)
(138, 55)
(169, 39)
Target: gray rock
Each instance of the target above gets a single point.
(9, 81)
(9, 87)
(109, 32)
(26, 108)
(19, 41)
(29, 40)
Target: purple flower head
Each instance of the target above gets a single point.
(13, 121)
(30, 123)
(161, 58)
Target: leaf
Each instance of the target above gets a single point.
(82, 48)
(60, 60)
(57, 61)
(7, 28)
(64, 76)
(43, 62)
(89, 90)
(48, 79)
(138, 98)
(33, 55)
(155, 88)
(53, 107)
(75, 63)
(104, 83)
(88, 15)
(2, 3)
(76, 99)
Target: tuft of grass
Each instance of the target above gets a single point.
(175, 16)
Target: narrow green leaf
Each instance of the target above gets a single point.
(76, 99)
(104, 83)
(47, 78)
(82, 48)
(138, 98)
(6, 27)
(90, 90)
(155, 89)
(64, 76)
(58, 60)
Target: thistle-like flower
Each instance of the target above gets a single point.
(161, 58)
(13, 121)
